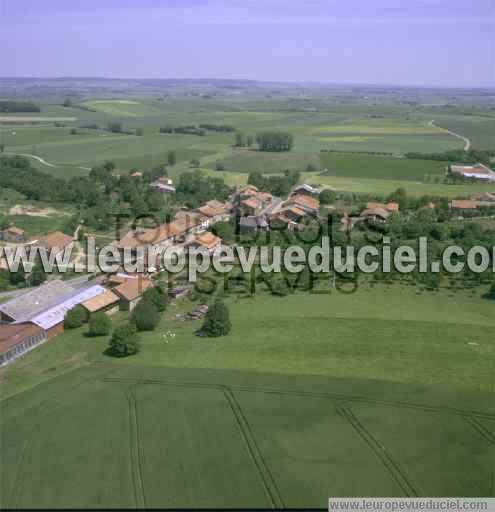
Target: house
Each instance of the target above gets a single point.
(107, 302)
(18, 339)
(13, 234)
(250, 206)
(131, 292)
(253, 223)
(57, 239)
(164, 185)
(307, 190)
(304, 202)
(161, 236)
(137, 174)
(476, 171)
(376, 215)
(188, 223)
(214, 211)
(30, 303)
(247, 191)
(389, 207)
(207, 240)
(464, 204)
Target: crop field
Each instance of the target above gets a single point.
(109, 436)
(381, 392)
(373, 166)
(479, 130)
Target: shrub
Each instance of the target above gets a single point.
(99, 324)
(157, 296)
(124, 341)
(145, 316)
(75, 317)
(217, 321)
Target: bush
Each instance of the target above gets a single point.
(75, 317)
(220, 167)
(327, 196)
(217, 321)
(99, 324)
(157, 296)
(145, 316)
(124, 341)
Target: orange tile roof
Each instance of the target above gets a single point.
(304, 201)
(252, 202)
(390, 207)
(56, 239)
(101, 301)
(208, 240)
(133, 288)
(464, 204)
(149, 236)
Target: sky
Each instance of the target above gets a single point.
(402, 42)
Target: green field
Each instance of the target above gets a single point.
(382, 392)
(110, 436)
(479, 130)
(373, 166)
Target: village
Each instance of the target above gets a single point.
(37, 314)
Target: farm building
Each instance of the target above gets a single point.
(47, 305)
(477, 171)
(52, 318)
(107, 302)
(12, 234)
(34, 301)
(17, 339)
(131, 292)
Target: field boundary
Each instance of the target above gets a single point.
(378, 448)
(332, 396)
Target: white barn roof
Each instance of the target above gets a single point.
(55, 315)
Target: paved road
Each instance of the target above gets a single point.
(42, 161)
(467, 142)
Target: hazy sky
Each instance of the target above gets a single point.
(421, 42)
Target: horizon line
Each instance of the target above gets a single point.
(252, 80)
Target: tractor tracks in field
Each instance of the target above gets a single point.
(313, 394)
(135, 451)
(481, 429)
(380, 451)
(255, 453)
(267, 479)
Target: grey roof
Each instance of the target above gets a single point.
(253, 221)
(55, 314)
(307, 188)
(34, 301)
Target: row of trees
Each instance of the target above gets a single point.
(456, 155)
(274, 141)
